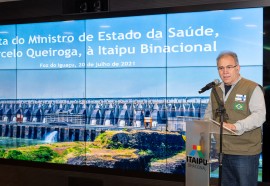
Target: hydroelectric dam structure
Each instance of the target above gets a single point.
(84, 119)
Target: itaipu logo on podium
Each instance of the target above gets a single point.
(196, 158)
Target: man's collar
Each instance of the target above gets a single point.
(222, 83)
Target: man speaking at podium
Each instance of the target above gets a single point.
(245, 107)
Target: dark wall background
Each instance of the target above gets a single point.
(29, 176)
(36, 8)
(17, 174)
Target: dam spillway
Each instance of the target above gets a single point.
(83, 120)
(39, 131)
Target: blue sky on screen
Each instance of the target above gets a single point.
(61, 41)
(112, 72)
(8, 84)
(7, 32)
(126, 83)
(68, 83)
(138, 31)
(236, 30)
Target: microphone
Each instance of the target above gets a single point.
(209, 86)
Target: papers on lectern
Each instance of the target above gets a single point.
(217, 123)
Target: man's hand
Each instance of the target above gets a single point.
(229, 126)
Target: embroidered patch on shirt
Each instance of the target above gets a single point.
(239, 106)
(240, 97)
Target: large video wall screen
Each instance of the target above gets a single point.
(99, 92)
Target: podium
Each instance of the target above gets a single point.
(200, 142)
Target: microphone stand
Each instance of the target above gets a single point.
(221, 111)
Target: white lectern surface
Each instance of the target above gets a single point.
(198, 148)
